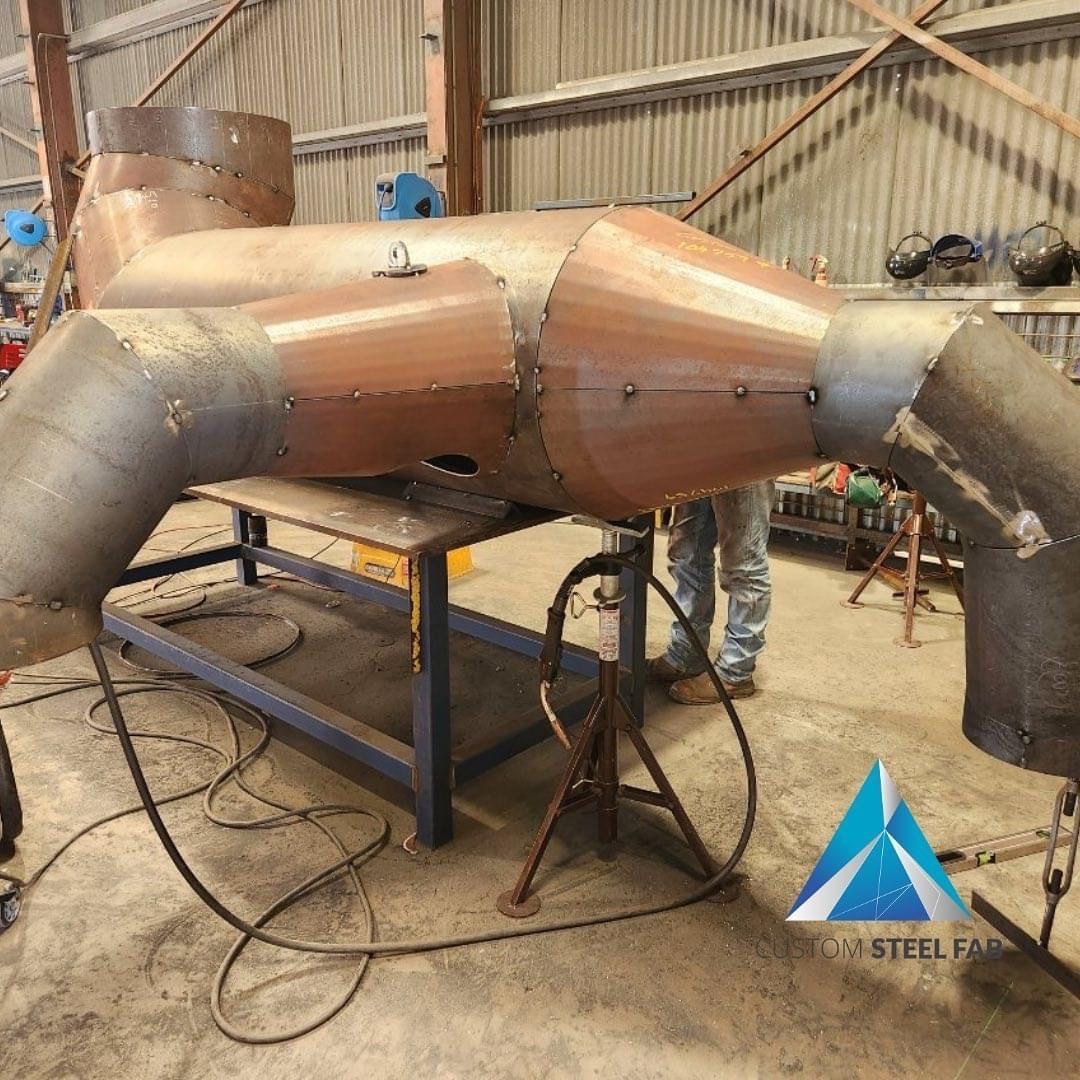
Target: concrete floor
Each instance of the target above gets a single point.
(107, 972)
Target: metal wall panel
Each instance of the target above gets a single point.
(339, 185)
(86, 13)
(520, 45)
(322, 188)
(320, 64)
(804, 20)
(697, 138)
(382, 58)
(9, 27)
(604, 154)
(827, 187)
(604, 36)
(521, 164)
(698, 29)
(916, 146)
(15, 115)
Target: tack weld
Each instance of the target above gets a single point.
(913, 434)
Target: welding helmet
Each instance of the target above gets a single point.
(909, 264)
(1039, 264)
(954, 250)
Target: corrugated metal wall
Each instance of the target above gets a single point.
(920, 145)
(916, 146)
(320, 64)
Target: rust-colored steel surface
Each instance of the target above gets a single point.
(155, 173)
(390, 371)
(714, 335)
(524, 251)
(48, 80)
(723, 343)
(601, 360)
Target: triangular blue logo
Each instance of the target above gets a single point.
(878, 866)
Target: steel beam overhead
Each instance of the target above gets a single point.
(19, 140)
(368, 133)
(52, 106)
(190, 51)
(805, 111)
(1018, 23)
(20, 183)
(961, 60)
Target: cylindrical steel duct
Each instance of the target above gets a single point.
(978, 422)
(717, 337)
(121, 410)
(602, 360)
(113, 417)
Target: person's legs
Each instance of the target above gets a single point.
(742, 522)
(742, 518)
(692, 563)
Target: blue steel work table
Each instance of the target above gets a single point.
(395, 520)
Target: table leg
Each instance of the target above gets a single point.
(430, 632)
(248, 529)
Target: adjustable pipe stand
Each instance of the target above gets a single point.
(916, 528)
(591, 777)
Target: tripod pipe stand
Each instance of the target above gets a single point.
(917, 528)
(591, 777)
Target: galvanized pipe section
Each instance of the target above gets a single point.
(962, 409)
(982, 426)
(114, 417)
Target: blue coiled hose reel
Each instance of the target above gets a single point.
(25, 229)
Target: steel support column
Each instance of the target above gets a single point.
(454, 101)
(53, 109)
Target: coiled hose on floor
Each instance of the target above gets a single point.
(367, 949)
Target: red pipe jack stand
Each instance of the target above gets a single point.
(591, 777)
(916, 528)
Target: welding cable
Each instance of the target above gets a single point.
(235, 762)
(296, 636)
(553, 716)
(255, 931)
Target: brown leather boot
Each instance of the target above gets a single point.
(662, 669)
(700, 690)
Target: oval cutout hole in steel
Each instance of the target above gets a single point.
(454, 464)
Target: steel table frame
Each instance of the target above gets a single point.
(429, 768)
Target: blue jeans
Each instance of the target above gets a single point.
(737, 523)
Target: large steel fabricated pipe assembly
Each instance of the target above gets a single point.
(602, 361)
